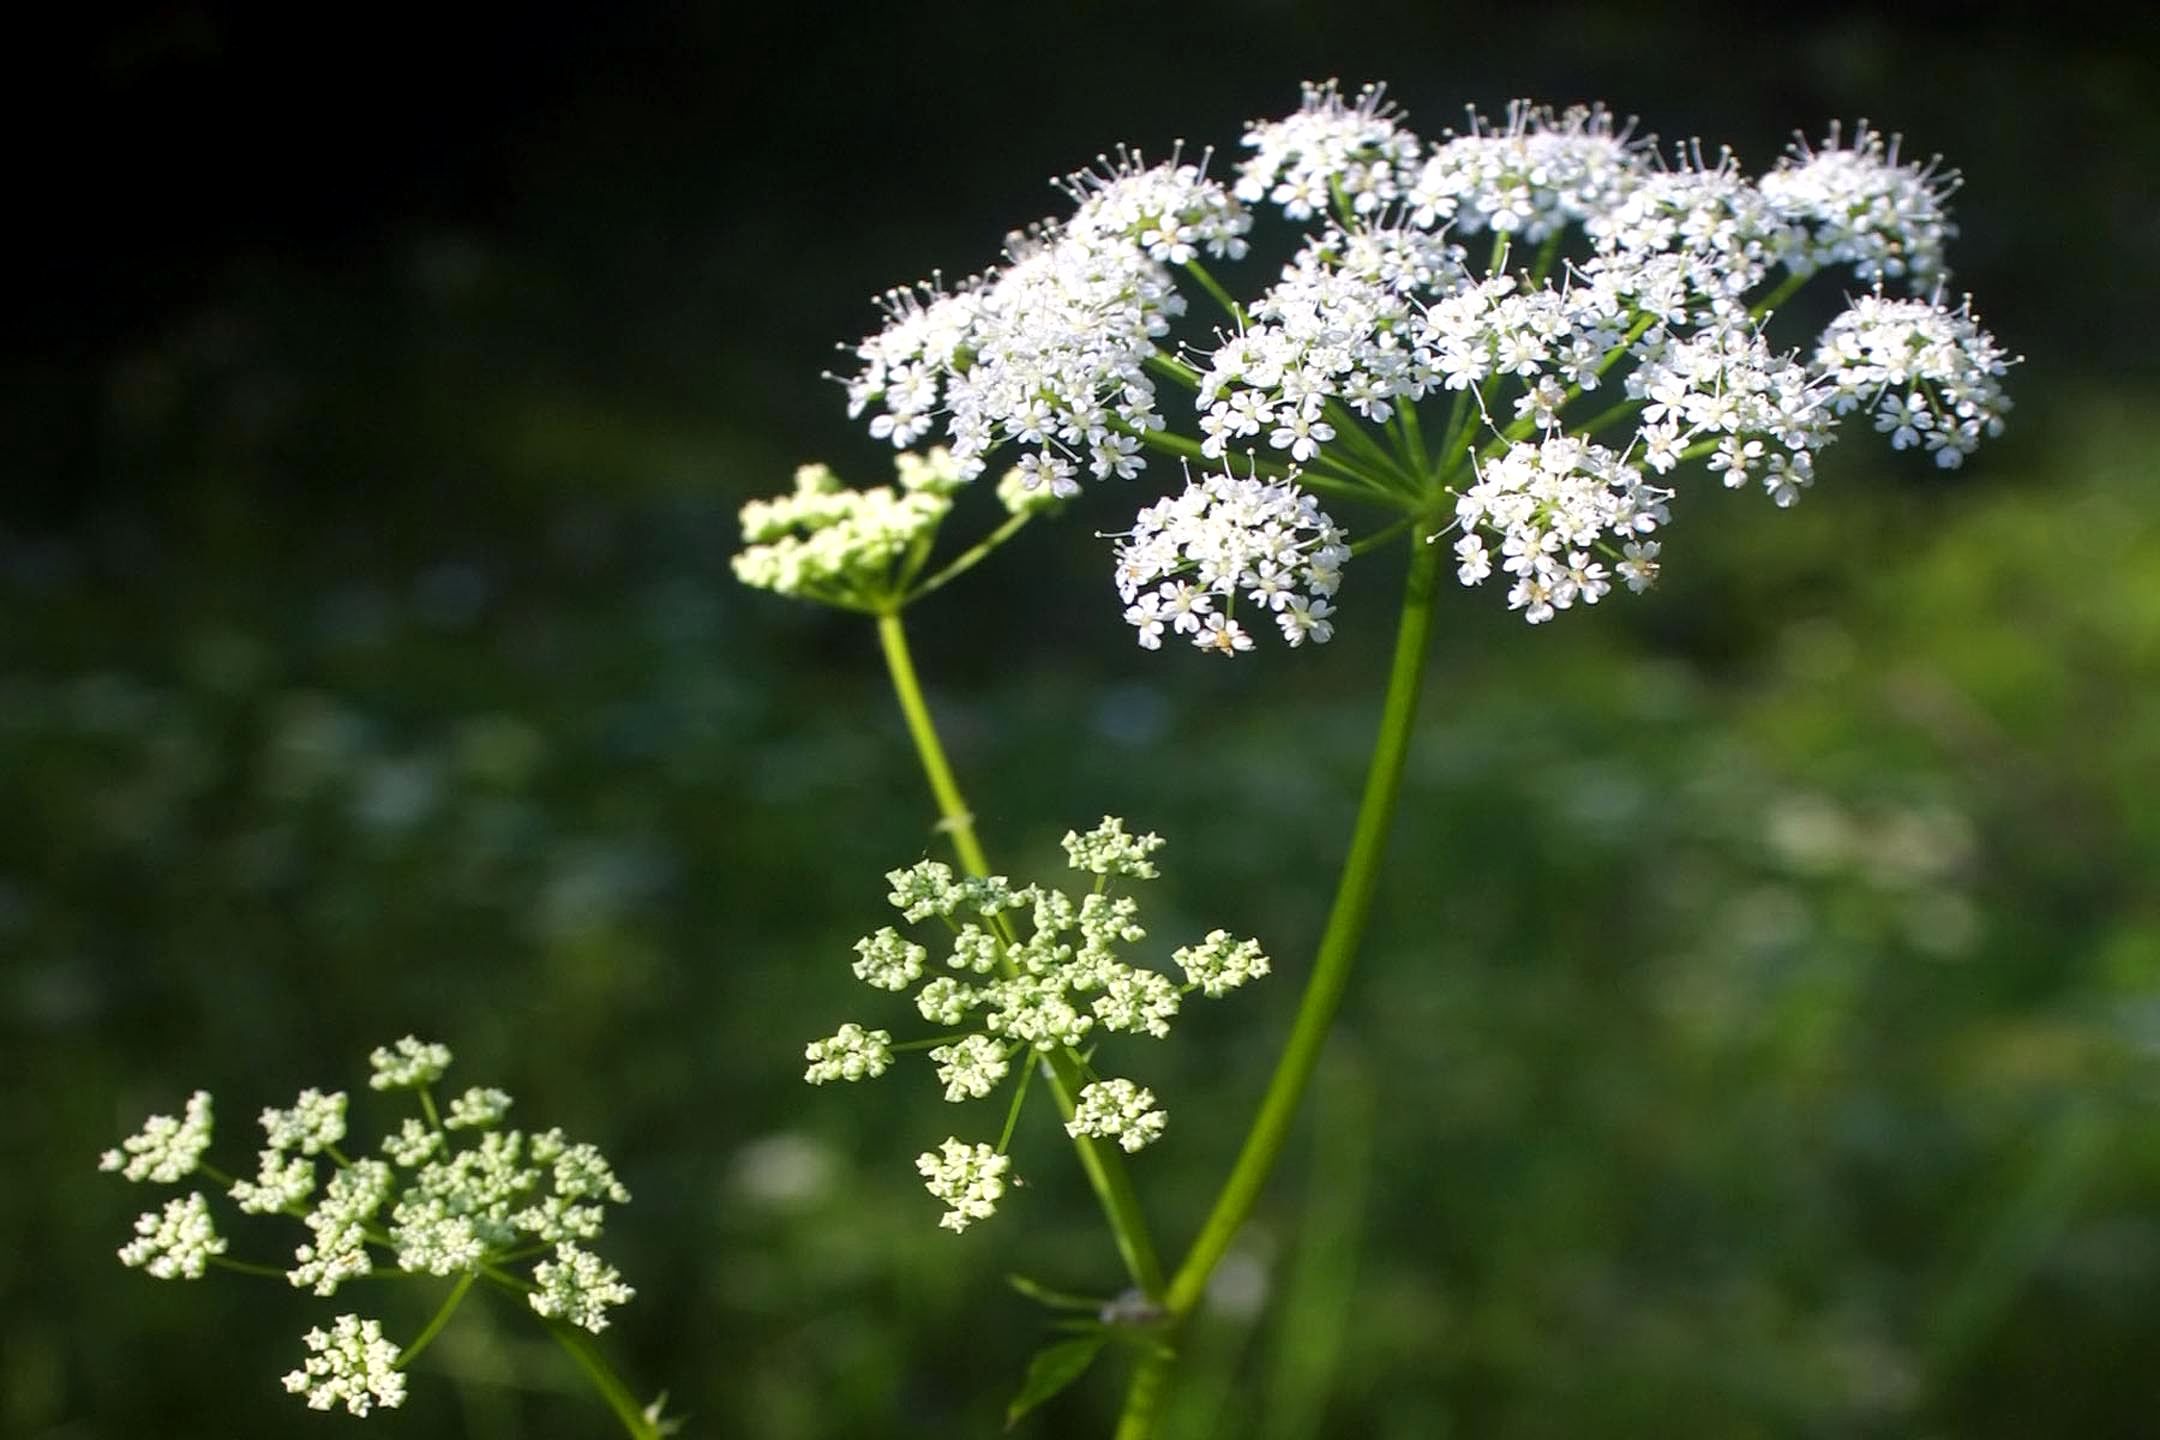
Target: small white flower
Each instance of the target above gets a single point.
(1640, 568)
(1223, 635)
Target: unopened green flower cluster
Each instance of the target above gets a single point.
(453, 1193)
(1024, 970)
(859, 549)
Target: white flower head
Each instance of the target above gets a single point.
(1221, 963)
(888, 960)
(480, 1108)
(1861, 206)
(969, 1179)
(578, 1287)
(351, 1364)
(1222, 538)
(841, 546)
(174, 1243)
(1108, 850)
(1301, 161)
(971, 1067)
(850, 1053)
(315, 1123)
(1117, 1110)
(408, 1064)
(281, 1182)
(1929, 374)
(166, 1149)
(1534, 172)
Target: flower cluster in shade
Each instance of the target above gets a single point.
(451, 1192)
(859, 548)
(1024, 972)
(1584, 310)
(1190, 558)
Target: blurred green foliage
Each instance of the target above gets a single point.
(1760, 1033)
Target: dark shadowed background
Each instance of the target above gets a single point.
(1760, 1033)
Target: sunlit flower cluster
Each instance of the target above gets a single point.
(1027, 972)
(1050, 351)
(827, 542)
(1860, 206)
(1190, 558)
(1300, 162)
(456, 1195)
(1531, 175)
(352, 1365)
(1619, 321)
(1929, 376)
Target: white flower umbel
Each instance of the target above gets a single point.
(1551, 505)
(281, 1182)
(174, 1243)
(1108, 850)
(1118, 1110)
(339, 1226)
(578, 1287)
(316, 1122)
(1188, 560)
(1048, 971)
(480, 1108)
(1534, 173)
(351, 1364)
(1221, 963)
(1300, 161)
(408, 1064)
(849, 1053)
(457, 1195)
(845, 547)
(166, 1150)
(970, 1179)
(971, 1067)
(1860, 206)
(1929, 375)
(1618, 307)
(1050, 351)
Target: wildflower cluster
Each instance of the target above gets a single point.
(1027, 972)
(1222, 537)
(1050, 351)
(1617, 331)
(454, 1194)
(1929, 376)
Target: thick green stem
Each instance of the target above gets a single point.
(1105, 1169)
(1323, 991)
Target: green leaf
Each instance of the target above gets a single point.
(1053, 1368)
